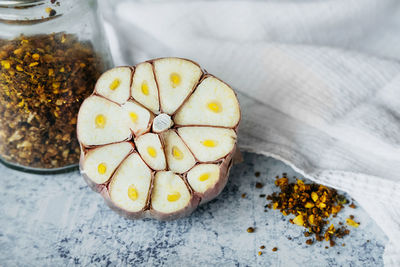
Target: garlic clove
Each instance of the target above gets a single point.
(170, 193)
(208, 143)
(130, 185)
(101, 122)
(213, 103)
(138, 118)
(202, 177)
(144, 88)
(176, 79)
(100, 163)
(179, 157)
(151, 150)
(115, 84)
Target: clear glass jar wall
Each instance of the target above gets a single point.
(51, 54)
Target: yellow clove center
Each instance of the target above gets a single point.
(214, 106)
(115, 84)
(152, 151)
(132, 192)
(175, 79)
(177, 153)
(145, 88)
(134, 117)
(173, 197)
(102, 168)
(209, 143)
(204, 177)
(100, 121)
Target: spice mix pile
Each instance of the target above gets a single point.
(312, 205)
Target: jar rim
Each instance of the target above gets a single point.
(20, 3)
(27, 12)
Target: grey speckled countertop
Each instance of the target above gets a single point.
(52, 220)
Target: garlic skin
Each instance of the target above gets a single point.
(157, 139)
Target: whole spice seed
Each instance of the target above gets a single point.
(52, 13)
(352, 223)
(275, 249)
(250, 230)
(39, 103)
(312, 205)
(259, 185)
(309, 241)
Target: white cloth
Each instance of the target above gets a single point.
(318, 82)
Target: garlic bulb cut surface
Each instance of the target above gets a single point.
(157, 139)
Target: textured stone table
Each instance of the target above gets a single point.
(53, 220)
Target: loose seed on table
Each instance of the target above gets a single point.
(259, 185)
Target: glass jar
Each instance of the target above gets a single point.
(51, 54)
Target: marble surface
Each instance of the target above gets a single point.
(53, 220)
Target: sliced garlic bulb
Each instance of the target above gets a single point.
(157, 139)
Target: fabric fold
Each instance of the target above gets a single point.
(318, 83)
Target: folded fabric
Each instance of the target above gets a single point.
(318, 82)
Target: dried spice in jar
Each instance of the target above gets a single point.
(43, 80)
